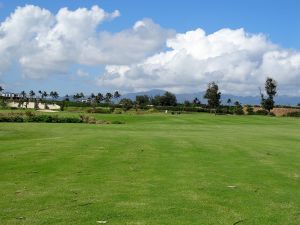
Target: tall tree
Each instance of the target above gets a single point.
(92, 96)
(117, 95)
(31, 94)
(52, 94)
(22, 98)
(108, 97)
(196, 102)
(67, 97)
(168, 99)
(81, 95)
(23, 94)
(78, 96)
(238, 109)
(126, 104)
(229, 101)
(44, 94)
(142, 100)
(56, 95)
(271, 91)
(99, 97)
(2, 102)
(213, 95)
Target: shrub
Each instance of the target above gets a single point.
(250, 110)
(272, 114)
(40, 119)
(262, 112)
(88, 119)
(18, 118)
(31, 117)
(126, 103)
(118, 111)
(100, 110)
(293, 114)
(152, 110)
(117, 122)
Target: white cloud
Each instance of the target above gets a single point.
(144, 56)
(81, 73)
(238, 61)
(44, 44)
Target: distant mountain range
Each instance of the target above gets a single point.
(253, 100)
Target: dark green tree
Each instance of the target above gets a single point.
(126, 104)
(238, 108)
(168, 99)
(271, 91)
(142, 100)
(108, 97)
(31, 94)
(196, 102)
(117, 95)
(99, 98)
(229, 101)
(213, 96)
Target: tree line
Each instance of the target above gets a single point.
(212, 94)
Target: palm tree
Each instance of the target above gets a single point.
(31, 94)
(92, 96)
(45, 94)
(108, 97)
(93, 100)
(78, 96)
(1, 89)
(99, 97)
(81, 95)
(56, 95)
(23, 94)
(196, 101)
(229, 101)
(2, 103)
(117, 95)
(22, 98)
(67, 98)
(52, 94)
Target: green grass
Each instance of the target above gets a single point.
(154, 169)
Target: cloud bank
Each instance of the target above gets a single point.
(145, 56)
(238, 61)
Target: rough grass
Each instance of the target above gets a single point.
(154, 169)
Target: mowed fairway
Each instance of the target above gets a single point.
(153, 170)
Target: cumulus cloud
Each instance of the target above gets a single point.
(43, 43)
(238, 61)
(142, 57)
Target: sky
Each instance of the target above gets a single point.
(180, 46)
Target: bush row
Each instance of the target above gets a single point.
(19, 118)
(32, 117)
(293, 114)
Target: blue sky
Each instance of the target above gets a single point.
(278, 20)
